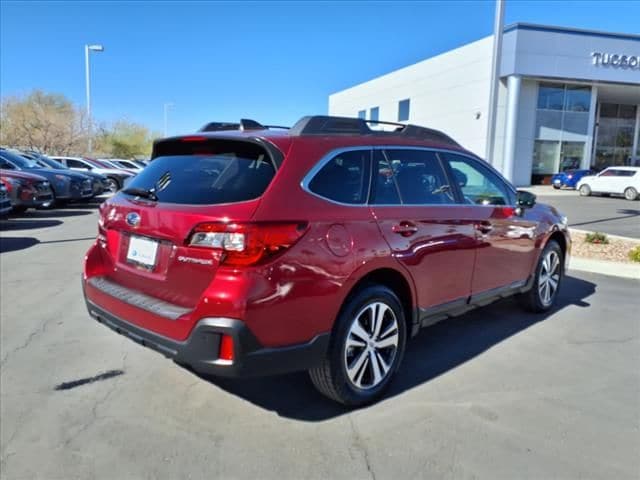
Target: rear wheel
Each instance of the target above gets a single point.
(366, 348)
(585, 190)
(113, 185)
(630, 193)
(546, 283)
(557, 187)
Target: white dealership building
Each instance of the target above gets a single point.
(568, 98)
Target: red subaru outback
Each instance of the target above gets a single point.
(320, 248)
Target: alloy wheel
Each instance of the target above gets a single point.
(112, 185)
(549, 278)
(371, 345)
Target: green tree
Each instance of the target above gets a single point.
(125, 140)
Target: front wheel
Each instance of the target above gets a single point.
(585, 190)
(112, 185)
(366, 348)
(546, 283)
(630, 193)
(556, 186)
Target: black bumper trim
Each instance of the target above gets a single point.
(200, 350)
(138, 299)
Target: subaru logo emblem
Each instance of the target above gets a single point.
(133, 219)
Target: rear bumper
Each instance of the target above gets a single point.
(200, 350)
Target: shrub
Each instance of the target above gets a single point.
(634, 254)
(597, 238)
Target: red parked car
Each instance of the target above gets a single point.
(321, 248)
(26, 190)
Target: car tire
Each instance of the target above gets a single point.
(114, 185)
(585, 190)
(366, 348)
(557, 187)
(630, 193)
(547, 280)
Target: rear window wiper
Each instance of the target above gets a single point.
(142, 193)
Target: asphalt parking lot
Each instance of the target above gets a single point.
(612, 215)
(493, 394)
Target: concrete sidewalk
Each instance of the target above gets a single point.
(604, 267)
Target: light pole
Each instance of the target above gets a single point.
(166, 108)
(87, 49)
(495, 80)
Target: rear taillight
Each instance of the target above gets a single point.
(247, 243)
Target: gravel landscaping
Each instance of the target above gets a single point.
(617, 250)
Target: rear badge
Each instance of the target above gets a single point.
(133, 219)
(199, 261)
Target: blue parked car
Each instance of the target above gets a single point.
(569, 178)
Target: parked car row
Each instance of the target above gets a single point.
(30, 179)
(617, 180)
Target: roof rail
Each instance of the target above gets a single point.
(244, 125)
(327, 125)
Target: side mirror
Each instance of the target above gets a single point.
(525, 199)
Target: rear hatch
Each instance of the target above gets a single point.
(191, 184)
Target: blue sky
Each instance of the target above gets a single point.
(271, 61)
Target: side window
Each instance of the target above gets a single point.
(345, 178)
(420, 178)
(6, 165)
(75, 164)
(385, 189)
(478, 184)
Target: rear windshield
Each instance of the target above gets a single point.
(220, 172)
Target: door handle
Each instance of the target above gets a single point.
(484, 227)
(405, 229)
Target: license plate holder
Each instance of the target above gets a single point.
(142, 251)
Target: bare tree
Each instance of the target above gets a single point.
(45, 122)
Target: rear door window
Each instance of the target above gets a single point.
(344, 178)
(222, 171)
(420, 177)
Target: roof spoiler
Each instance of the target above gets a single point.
(244, 125)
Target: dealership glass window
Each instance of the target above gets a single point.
(403, 110)
(561, 128)
(362, 114)
(551, 96)
(577, 98)
(545, 157)
(616, 127)
(374, 113)
(571, 155)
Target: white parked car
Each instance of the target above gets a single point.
(613, 180)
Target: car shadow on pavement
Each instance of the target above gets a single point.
(57, 213)
(11, 244)
(27, 224)
(435, 351)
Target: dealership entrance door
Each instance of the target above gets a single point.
(616, 141)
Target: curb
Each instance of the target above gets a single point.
(604, 267)
(615, 237)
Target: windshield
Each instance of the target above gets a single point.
(51, 163)
(19, 161)
(228, 172)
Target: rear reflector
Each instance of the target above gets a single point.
(226, 347)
